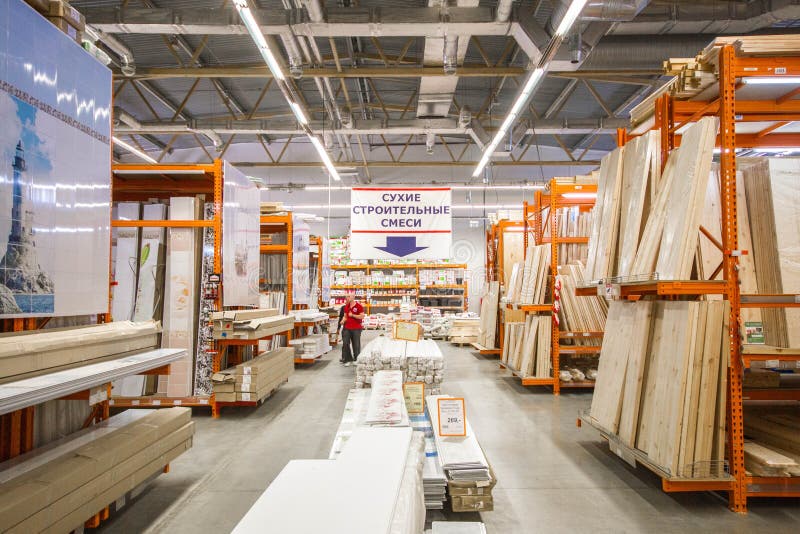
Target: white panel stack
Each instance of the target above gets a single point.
(180, 306)
(462, 457)
(387, 406)
(420, 361)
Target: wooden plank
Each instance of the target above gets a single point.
(636, 170)
(607, 398)
(710, 371)
(691, 399)
(634, 374)
(603, 252)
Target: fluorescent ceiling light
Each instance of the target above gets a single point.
(134, 150)
(258, 37)
(570, 17)
(298, 112)
(326, 159)
(772, 80)
(579, 195)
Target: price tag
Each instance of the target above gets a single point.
(156, 403)
(134, 403)
(773, 363)
(177, 402)
(414, 394)
(452, 416)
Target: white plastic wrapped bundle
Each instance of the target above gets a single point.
(420, 361)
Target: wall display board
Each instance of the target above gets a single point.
(240, 238)
(54, 207)
(405, 222)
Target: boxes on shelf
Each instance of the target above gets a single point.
(252, 329)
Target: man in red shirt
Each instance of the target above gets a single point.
(351, 333)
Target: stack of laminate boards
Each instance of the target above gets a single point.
(661, 384)
(773, 441)
(254, 380)
(645, 223)
(58, 487)
(470, 478)
(464, 331)
(487, 330)
(373, 485)
(528, 281)
(527, 346)
(250, 324)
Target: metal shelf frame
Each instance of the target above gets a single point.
(670, 116)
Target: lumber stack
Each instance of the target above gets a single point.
(661, 383)
(265, 322)
(488, 324)
(605, 222)
(775, 446)
(464, 331)
(256, 379)
(570, 222)
(772, 188)
(528, 281)
(526, 347)
(669, 241)
(579, 314)
(60, 493)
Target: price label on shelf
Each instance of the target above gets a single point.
(452, 416)
(414, 394)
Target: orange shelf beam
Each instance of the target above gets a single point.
(162, 224)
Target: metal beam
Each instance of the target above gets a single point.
(155, 73)
(375, 164)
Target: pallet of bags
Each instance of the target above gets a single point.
(254, 380)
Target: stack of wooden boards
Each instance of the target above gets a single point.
(570, 222)
(250, 324)
(776, 449)
(528, 281)
(464, 331)
(661, 384)
(579, 314)
(256, 379)
(667, 243)
(58, 488)
(772, 188)
(487, 330)
(310, 347)
(527, 346)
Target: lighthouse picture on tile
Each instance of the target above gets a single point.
(24, 286)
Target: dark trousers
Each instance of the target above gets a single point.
(348, 337)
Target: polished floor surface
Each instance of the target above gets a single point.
(552, 476)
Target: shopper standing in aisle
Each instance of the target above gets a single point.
(351, 334)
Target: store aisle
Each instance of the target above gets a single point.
(551, 474)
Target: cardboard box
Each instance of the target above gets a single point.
(476, 503)
(62, 9)
(66, 26)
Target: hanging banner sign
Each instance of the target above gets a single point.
(404, 222)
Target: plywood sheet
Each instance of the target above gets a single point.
(636, 183)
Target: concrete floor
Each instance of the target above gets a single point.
(551, 475)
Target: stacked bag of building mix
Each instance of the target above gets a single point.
(254, 380)
(420, 361)
(58, 488)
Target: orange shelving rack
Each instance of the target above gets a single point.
(555, 197)
(671, 115)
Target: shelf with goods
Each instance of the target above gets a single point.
(132, 183)
(749, 117)
(418, 286)
(544, 221)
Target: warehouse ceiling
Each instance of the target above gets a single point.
(396, 85)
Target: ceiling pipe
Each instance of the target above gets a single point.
(503, 11)
(126, 61)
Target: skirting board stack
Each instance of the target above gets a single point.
(579, 314)
(61, 493)
(469, 477)
(488, 325)
(254, 380)
(433, 478)
(370, 487)
(526, 347)
(420, 361)
(464, 331)
(661, 383)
